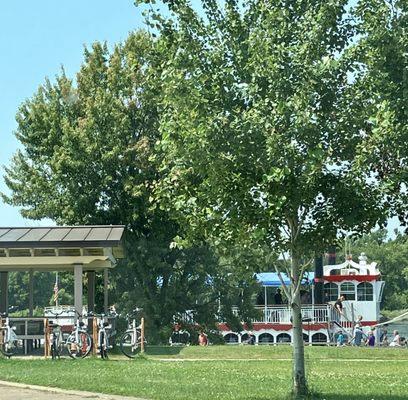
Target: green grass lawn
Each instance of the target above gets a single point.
(225, 372)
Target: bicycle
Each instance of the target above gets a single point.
(103, 334)
(56, 337)
(179, 338)
(131, 340)
(79, 342)
(10, 342)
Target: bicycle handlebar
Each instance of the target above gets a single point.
(110, 315)
(133, 313)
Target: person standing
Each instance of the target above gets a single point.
(278, 297)
(340, 339)
(338, 305)
(358, 336)
(359, 322)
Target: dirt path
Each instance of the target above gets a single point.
(18, 391)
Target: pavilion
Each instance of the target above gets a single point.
(79, 249)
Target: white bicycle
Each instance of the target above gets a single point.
(79, 342)
(9, 340)
(104, 333)
(131, 340)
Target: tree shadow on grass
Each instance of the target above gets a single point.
(164, 350)
(379, 396)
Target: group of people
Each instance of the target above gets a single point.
(368, 339)
(397, 341)
(359, 338)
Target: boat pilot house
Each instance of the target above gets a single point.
(81, 250)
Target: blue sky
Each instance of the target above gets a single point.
(36, 38)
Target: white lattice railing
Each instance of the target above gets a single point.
(282, 314)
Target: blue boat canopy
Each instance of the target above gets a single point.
(271, 279)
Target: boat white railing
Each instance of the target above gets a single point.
(340, 321)
(282, 314)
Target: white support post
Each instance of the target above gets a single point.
(106, 290)
(266, 306)
(78, 288)
(31, 292)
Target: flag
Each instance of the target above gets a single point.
(56, 290)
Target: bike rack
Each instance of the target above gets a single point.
(142, 335)
(39, 329)
(94, 335)
(1, 331)
(47, 344)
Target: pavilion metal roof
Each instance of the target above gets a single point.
(61, 236)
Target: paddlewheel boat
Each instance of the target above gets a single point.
(359, 282)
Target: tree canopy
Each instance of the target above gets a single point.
(88, 157)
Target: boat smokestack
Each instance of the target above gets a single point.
(318, 280)
(332, 255)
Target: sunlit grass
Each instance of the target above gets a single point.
(224, 372)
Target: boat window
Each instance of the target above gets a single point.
(365, 291)
(319, 338)
(331, 291)
(231, 338)
(283, 338)
(348, 290)
(265, 338)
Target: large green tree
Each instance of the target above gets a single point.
(261, 125)
(87, 157)
(382, 78)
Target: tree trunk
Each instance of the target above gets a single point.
(299, 375)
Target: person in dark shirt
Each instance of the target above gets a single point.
(278, 296)
(371, 339)
(338, 305)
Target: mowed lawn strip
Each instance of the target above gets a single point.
(275, 352)
(155, 379)
(221, 379)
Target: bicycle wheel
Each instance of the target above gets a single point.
(54, 351)
(9, 349)
(81, 348)
(103, 350)
(128, 346)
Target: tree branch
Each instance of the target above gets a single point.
(284, 287)
(302, 271)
